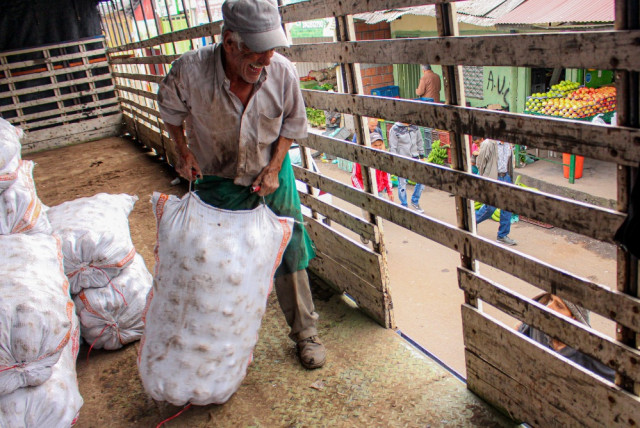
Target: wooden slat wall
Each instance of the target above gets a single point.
(59, 94)
(528, 381)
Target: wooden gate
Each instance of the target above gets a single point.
(59, 94)
(527, 380)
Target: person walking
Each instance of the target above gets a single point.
(495, 160)
(406, 140)
(241, 105)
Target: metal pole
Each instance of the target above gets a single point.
(186, 18)
(123, 23)
(118, 25)
(206, 4)
(144, 16)
(158, 29)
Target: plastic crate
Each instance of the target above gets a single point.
(345, 164)
(387, 91)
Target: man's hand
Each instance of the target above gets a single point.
(267, 181)
(187, 165)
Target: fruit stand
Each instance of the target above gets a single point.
(570, 100)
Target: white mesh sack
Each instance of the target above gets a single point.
(35, 309)
(111, 316)
(54, 404)
(9, 153)
(214, 271)
(96, 240)
(20, 208)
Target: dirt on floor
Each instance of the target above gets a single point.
(372, 377)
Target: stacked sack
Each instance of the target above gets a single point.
(20, 208)
(38, 324)
(38, 335)
(109, 281)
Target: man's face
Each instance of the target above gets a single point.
(378, 144)
(244, 63)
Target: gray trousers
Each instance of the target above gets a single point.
(294, 297)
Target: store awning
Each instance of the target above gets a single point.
(556, 11)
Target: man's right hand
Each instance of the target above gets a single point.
(187, 165)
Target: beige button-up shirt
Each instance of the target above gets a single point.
(227, 139)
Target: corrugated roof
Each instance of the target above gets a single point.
(555, 11)
(476, 12)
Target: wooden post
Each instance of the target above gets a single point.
(627, 18)
(454, 93)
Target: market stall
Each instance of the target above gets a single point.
(571, 100)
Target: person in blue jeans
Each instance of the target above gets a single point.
(406, 140)
(495, 160)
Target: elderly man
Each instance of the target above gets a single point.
(241, 106)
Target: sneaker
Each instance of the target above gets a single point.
(312, 353)
(507, 240)
(417, 208)
(364, 240)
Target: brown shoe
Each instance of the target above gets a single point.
(312, 353)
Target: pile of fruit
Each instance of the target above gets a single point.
(577, 104)
(560, 90)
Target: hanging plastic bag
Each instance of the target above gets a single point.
(214, 271)
(96, 239)
(35, 309)
(111, 316)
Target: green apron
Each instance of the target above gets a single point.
(285, 202)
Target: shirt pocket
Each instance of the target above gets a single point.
(269, 127)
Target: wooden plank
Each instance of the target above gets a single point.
(315, 9)
(152, 122)
(156, 59)
(564, 385)
(144, 77)
(612, 144)
(74, 133)
(50, 60)
(71, 117)
(99, 104)
(61, 97)
(149, 137)
(604, 50)
(610, 352)
(147, 94)
(42, 88)
(56, 72)
(593, 296)
(579, 217)
(145, 109)
(361, 260)
(344, 280)
(340, 216)
(520, 402)
(85, 41)
(204, 30)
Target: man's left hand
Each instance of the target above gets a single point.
(267, 181)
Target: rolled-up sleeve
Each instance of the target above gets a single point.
(172, 105)
(294, 122)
